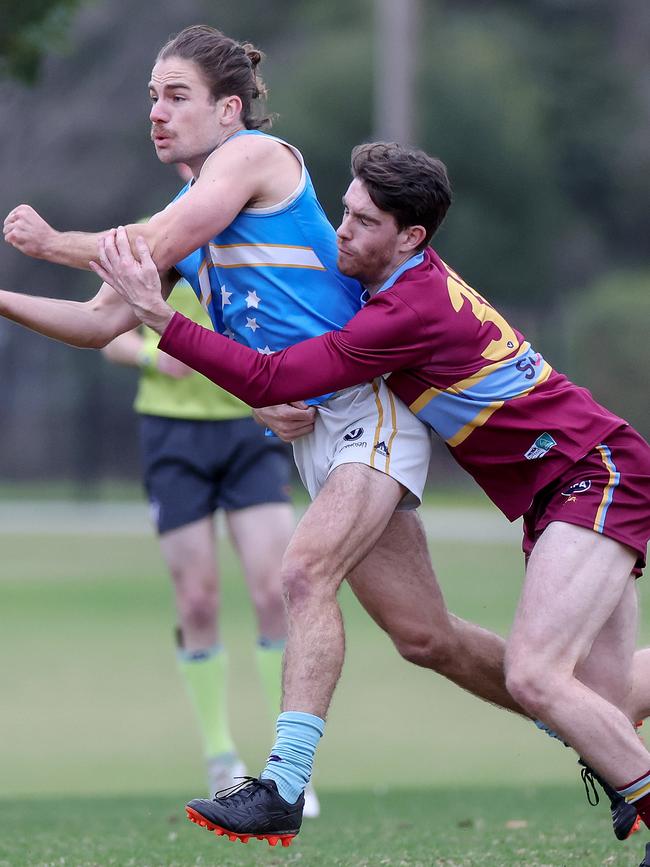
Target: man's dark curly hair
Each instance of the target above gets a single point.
(404, 182)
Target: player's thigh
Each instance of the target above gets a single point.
(343, 523)
(575, 579)
(396, 583)
(255, 494)
(608, 668)
(254, 491)
(260, 535)
(176, 458)
(190, 553)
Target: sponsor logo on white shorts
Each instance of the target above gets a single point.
(382, 449)
(353, 434)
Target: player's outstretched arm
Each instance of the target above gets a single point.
(187, 223)
(27, 231)
(85, 324)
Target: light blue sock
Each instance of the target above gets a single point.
(292, 756)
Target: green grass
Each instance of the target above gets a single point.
(493, 827)
(99, 751)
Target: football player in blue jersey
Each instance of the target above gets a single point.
(253, 241)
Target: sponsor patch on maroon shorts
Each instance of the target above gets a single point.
(608, 491)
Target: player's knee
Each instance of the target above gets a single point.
(268, 602)
(303, 583)
(198, 616)
(529, 682)
(427, 650)
(197, 607)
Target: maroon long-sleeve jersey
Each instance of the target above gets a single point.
(507, 417)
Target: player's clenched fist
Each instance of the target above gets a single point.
(28, 232)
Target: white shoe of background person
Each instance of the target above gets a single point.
(222, 771)
(311, 810)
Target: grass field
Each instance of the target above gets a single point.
(491, 827)
(99, 752)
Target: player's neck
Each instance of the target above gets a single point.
(376, 285)
(229, 133)
(197, 164)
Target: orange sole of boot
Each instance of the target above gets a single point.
(272, 839)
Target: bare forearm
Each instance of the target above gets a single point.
(27, 231)
(74, 249)
(78, 249)
(73, 322)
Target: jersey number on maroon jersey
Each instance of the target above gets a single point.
(496, 349)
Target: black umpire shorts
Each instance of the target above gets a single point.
(193, 468)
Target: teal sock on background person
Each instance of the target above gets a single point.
(291, 759)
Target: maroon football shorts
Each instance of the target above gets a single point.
(608, 491)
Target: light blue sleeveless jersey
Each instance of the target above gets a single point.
(270, 279)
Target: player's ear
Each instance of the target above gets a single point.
(231, 108)
(413, 237)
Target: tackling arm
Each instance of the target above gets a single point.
(386, 335)
(371, 344)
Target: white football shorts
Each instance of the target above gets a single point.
(366, 424)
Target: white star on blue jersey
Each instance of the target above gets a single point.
(253, 300)
(229, 334)
(265, 351)
(252, 324)
(225, 297)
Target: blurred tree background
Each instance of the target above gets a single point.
(540, 109)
